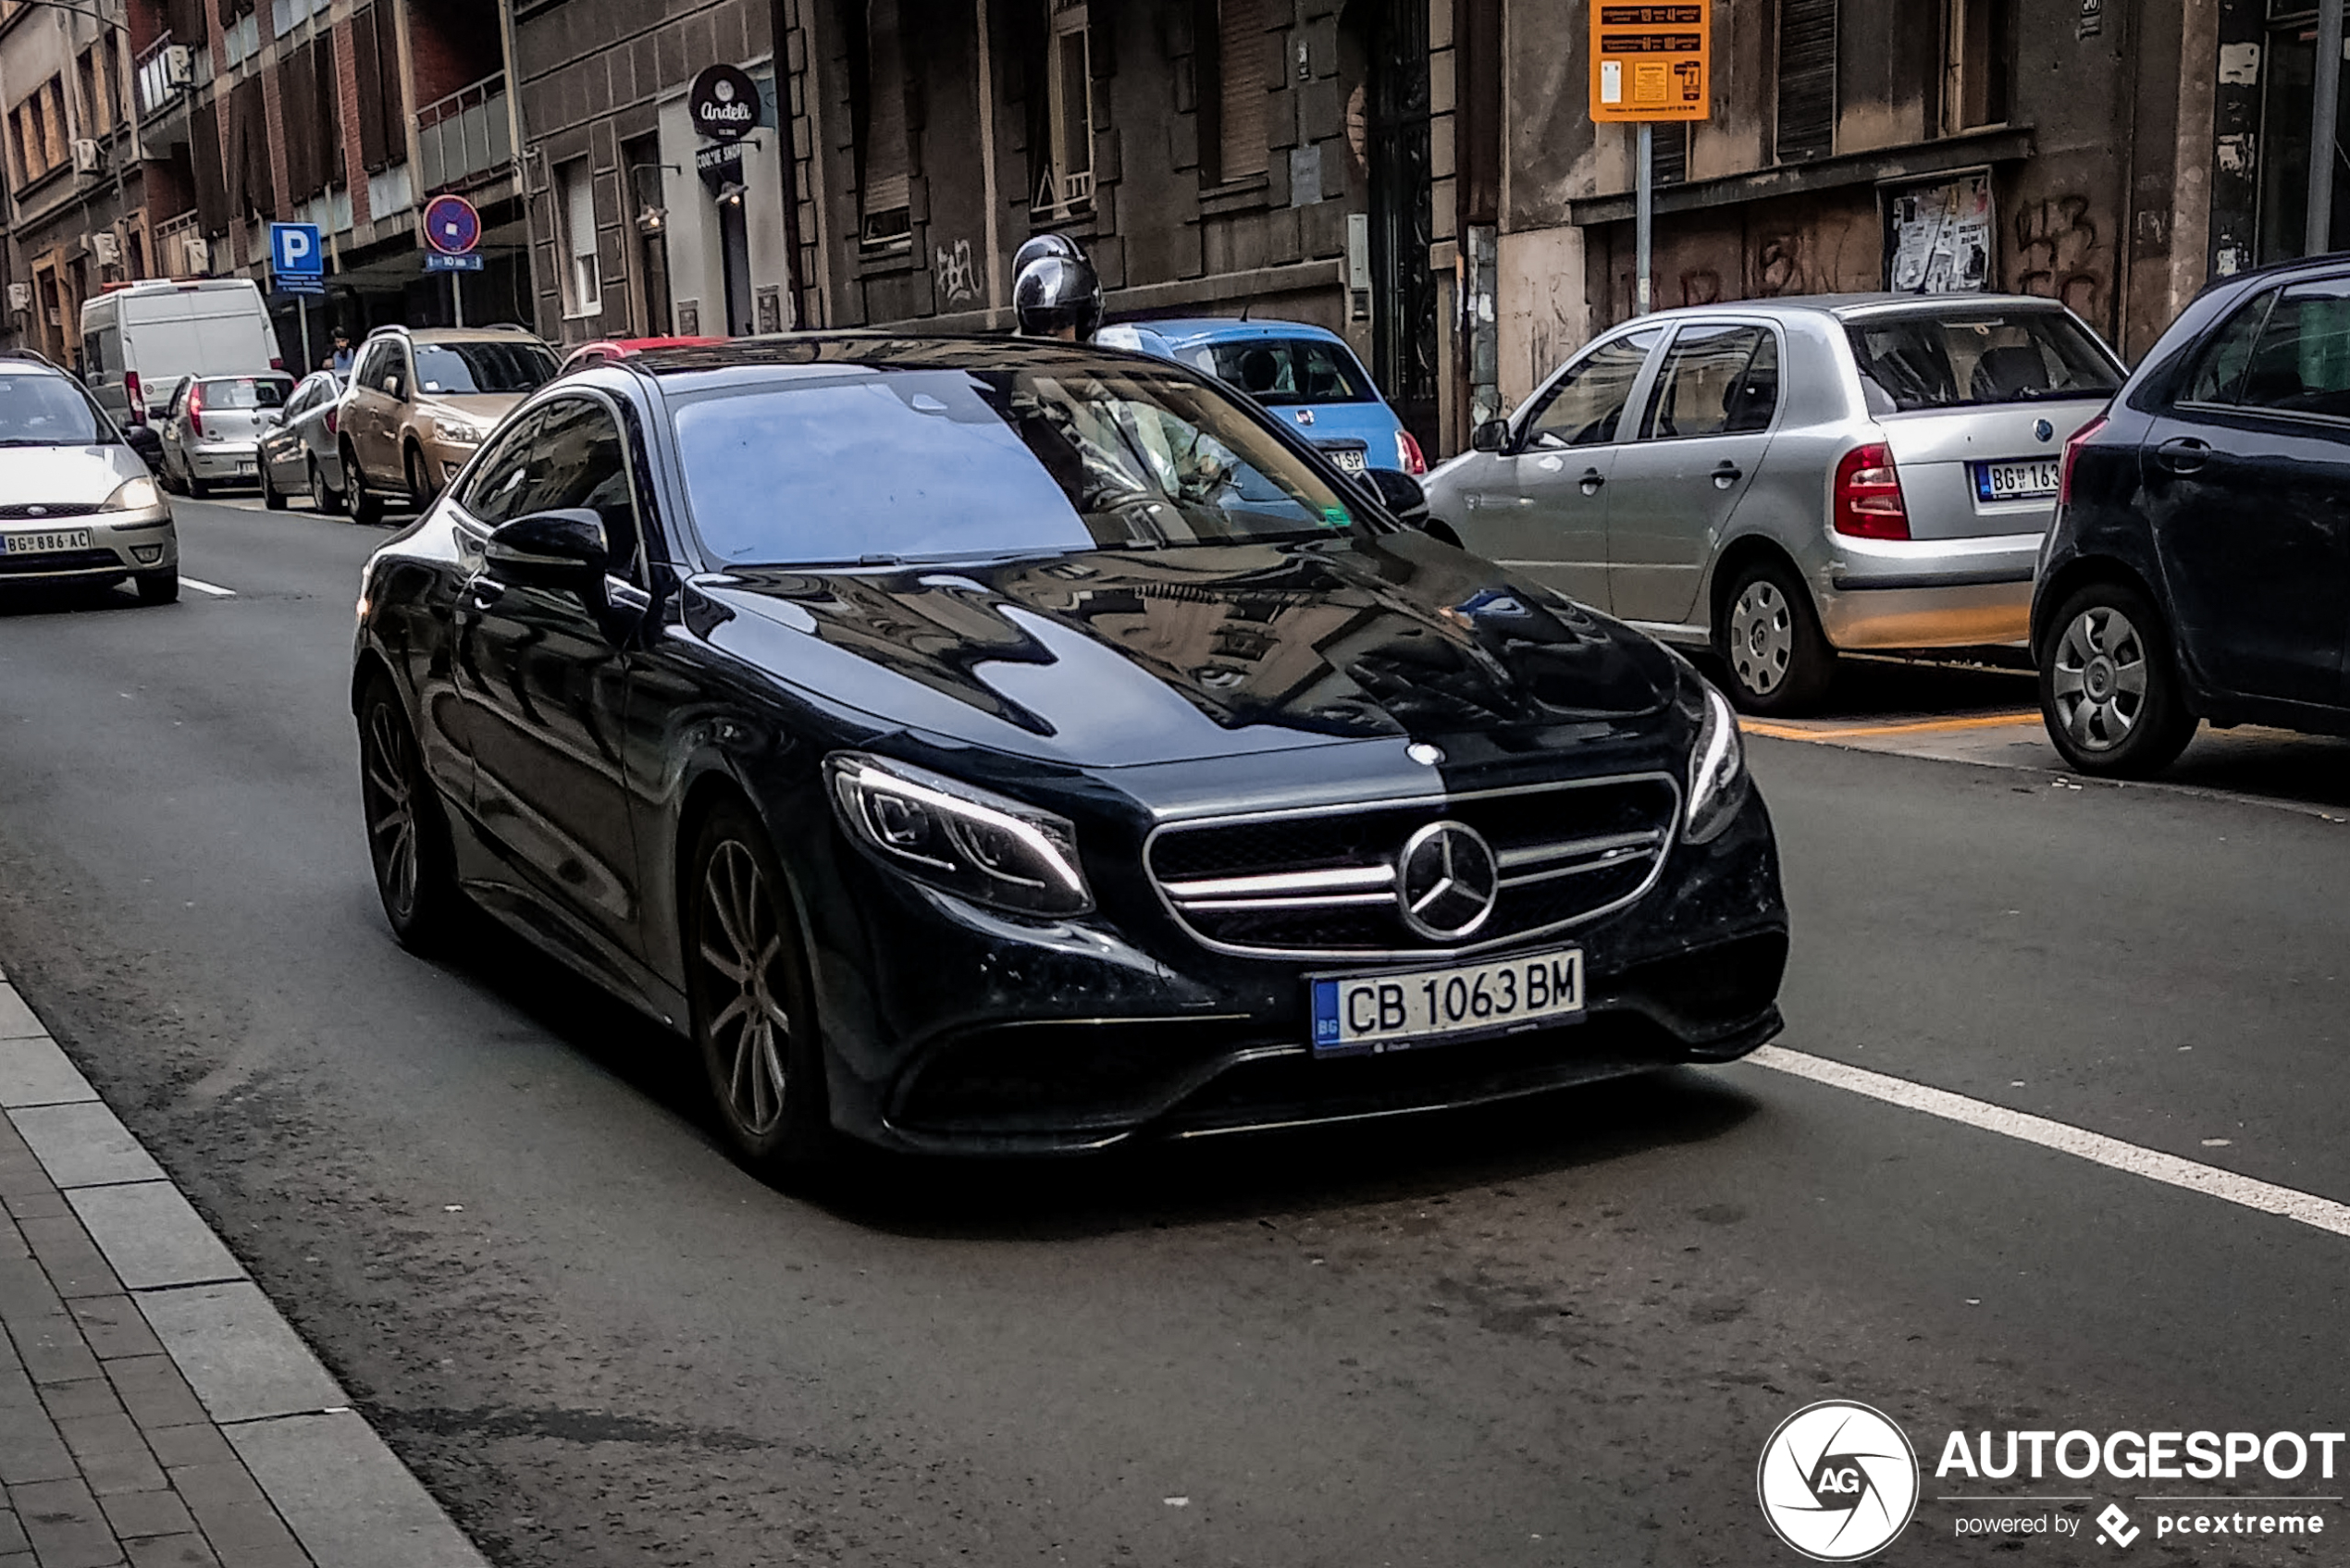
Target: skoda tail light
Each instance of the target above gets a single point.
(1868, 495)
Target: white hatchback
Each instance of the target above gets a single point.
(77, 503)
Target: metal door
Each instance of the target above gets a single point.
(1403, 290)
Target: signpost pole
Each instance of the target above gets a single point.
(2325, 97)
(457, 296)
(1644, 220)
(302, 310)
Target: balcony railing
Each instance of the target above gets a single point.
(466, 136)
(151, 79)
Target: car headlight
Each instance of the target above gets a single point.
(134, 494)
(458, 432)
(1717, 768)
(966, 841)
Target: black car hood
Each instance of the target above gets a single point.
(1122, 657)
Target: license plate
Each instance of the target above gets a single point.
(44, 544)
(1406, 1007)
(244, 465)
(1352, 462)
(2032, 480)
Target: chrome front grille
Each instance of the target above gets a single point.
(1321, 882)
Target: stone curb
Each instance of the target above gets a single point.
(331, 1477)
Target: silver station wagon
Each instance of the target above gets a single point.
(1782, 480)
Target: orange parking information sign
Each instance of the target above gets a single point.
(1651, 61)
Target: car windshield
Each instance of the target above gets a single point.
(1289, 370)
(927, 465)
(246, 391)
(1971, 358)
(458, 369)
(45, 410)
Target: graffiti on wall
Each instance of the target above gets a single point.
(956, 278)
(2058, 253)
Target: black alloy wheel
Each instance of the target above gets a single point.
(1770, 642)
(324, 500)
(366, 507)
(272, 497)
(2110, 688)
(407, 833)
(752, 1016)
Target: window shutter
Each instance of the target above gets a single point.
(371, 91)
(205, 151)
(1240, 40)
(329, 105)
(1807, 80)
(579, 208)
(297, 98)
(886, 188)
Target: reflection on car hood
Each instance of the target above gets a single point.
(482, 408)
(65, 475)
(1106, 657)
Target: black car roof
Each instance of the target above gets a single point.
(877, 350)
(2333, 261)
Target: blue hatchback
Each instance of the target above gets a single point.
(1306, 375)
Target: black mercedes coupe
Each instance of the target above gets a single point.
(1009, 747)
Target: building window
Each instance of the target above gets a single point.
(1807, 80)
(1976, 66)
(885, 205)
(37, 132)
(1240, 89)
(1064, 187)
(576, 186)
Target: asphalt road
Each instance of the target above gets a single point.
(1555, 1335)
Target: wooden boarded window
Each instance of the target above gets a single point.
(1807, 80)
(886, 198)
(1240, 84)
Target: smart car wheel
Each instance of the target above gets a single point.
(407, 834)
(751, 1012)
(2110, 691)
(1769, 638)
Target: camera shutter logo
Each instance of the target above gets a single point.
(1838, 1481)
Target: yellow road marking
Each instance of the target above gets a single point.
(1919, 727)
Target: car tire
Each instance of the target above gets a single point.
(158, 587)
(367, 508)
(408, 842)
(198, 488)
(325, 502)
(748, 984)
(272, 498)
(418, 474)
(1768, 636)
(2109, 687)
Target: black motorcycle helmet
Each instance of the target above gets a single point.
(1053, 294)
(1043, 245)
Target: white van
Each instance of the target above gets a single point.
(140, 341)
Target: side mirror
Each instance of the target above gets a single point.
(562, 551)
(1400, 493)
(1491, 436)
(395, 390)
(144, 440)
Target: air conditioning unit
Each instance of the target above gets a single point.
(19, 296)
(88, 157)
(107, 245)
(198, 252)
(178, 66)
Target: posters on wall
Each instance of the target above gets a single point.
(1938, 237)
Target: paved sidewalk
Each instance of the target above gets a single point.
(155, 1408)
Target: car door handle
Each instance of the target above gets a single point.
(2183, 454)
(1591, 481)
(1728, 474)
(485, 592)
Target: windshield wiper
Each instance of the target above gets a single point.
(39, 441)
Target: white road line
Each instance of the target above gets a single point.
(214, 589)
(2320, 1214)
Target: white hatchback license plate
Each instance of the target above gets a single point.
(44, 544)
(1406, 1007)
(1352, 462)
(2034, 480)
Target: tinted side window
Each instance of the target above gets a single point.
(500, 480)
(1707, 386)
(577, 462)
(1587, 406)
(2220, 370)
(2302, 361)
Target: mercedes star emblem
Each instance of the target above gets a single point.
(1446, 881)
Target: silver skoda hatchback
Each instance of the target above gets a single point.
(77, 501)
(1783, 479)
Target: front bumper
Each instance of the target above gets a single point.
(443, 458)
(1927, 593)
(958, 1030)
(121, 544)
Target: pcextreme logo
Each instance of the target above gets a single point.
(1838, 1481)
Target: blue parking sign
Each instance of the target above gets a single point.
(295, 250)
